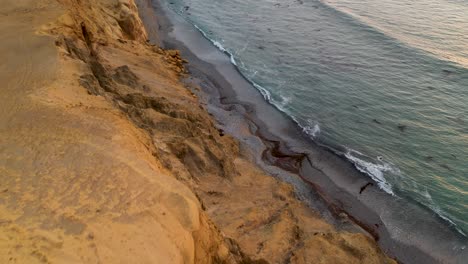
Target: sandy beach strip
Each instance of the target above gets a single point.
(108, 156)
(330, 183)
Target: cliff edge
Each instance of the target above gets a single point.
(106, 157)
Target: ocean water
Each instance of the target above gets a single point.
(383, 81)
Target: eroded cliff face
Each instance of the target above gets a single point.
(80, 182)
(106, 157)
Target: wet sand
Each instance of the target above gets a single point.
(107, 157)
(321, 176)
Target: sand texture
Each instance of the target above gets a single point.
(106, 157)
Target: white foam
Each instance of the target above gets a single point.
(254, 74)
(285, 100)
(427, 195)
(441, 214)
(375, 171)
(312, 128)
(266, 94)
(217, 44)
(432, 205)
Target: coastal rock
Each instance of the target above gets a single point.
(107, 157)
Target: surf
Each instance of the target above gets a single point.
(380, 171)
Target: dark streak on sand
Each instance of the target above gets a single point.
(363, 188)
(279, 154)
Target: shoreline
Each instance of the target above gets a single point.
(336, 182)
(110, 157)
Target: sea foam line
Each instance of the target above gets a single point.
(373, 170)
(217, 44)
(312, 129)
(433, 206)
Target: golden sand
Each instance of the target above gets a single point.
(105, 157)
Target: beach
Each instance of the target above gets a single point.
(337, 185)
(127, 137)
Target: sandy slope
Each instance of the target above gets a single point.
(105, 157)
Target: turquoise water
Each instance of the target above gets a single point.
(385, 80)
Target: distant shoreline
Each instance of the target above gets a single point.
(338, 188)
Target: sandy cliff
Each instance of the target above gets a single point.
(105, 157)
